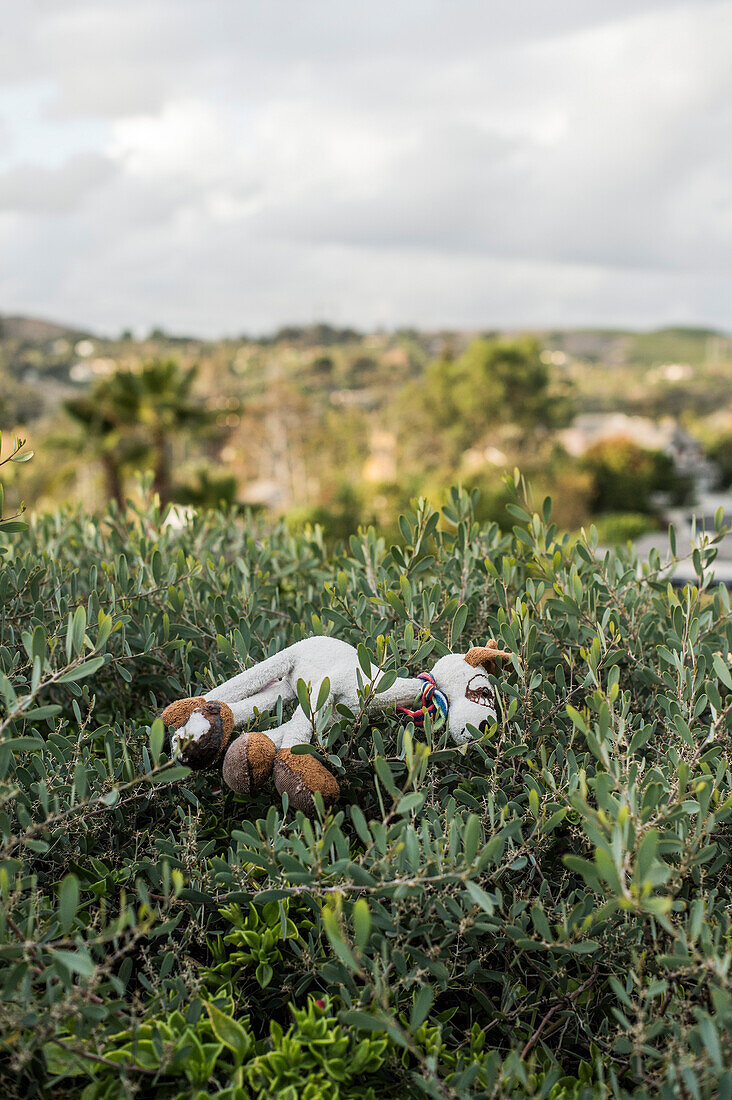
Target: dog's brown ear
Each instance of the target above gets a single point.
(488, 656)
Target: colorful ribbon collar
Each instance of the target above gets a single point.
(433, 700)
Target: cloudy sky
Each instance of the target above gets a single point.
(226, 166)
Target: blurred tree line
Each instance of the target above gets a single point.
(342, 433)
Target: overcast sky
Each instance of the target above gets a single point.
(226, 166)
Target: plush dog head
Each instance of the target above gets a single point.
(463, 679)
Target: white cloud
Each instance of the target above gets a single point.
(186, 137)
(229, 166)
(39, 190)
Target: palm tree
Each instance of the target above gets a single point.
(107, 417)
(133, 416)
(167, 408)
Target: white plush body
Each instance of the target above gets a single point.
(315, 659)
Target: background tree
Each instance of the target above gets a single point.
(109, 428)
(720, 452)
(167, 408)
(19, 401)
(132, 418)
(491, 384)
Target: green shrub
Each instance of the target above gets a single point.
(543, 914)
(619, 527)
(626, 476)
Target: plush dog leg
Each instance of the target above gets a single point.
(177, 714)
(236, 699)
(267, 699)
(250, 757)
(301, 775)
(202, 729)
(253, 680)
(248, 762)
(203, 724)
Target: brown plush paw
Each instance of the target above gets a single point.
(201, 730)
(301, 776)
(248, 762)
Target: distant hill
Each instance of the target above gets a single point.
(31, 330)
(696, 346)
(43, 362)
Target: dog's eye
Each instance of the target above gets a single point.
(480, 693)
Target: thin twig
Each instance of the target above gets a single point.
(572, 997)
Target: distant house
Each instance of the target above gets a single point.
(693, 523)
(690, 460)
(665, 435)
(591, 428)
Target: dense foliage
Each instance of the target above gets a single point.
(543, 914)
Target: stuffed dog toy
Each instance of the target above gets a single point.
(201, 728)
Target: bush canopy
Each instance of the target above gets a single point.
(543, 914)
